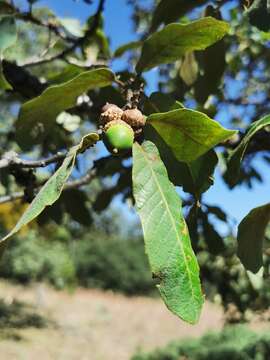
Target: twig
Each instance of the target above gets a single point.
(76, 43)
(11, 159)
(86, 179)
(28, 16)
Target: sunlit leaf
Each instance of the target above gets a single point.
(52, 189)
(37, 116)
(167, 241)
(170, 43)
(188, 133)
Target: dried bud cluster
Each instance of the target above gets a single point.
(134, 118)
(111, 112)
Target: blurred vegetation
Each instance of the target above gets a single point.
(87, 257)
(17, 315)
(102, 256)
(234, 343)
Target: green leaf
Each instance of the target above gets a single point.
(234, 161)
(196, 176)
(259, 14)
(169, 44)
(167, 241)
(212, 238)
(133, 45)
(250, 237)
(189, 69)
(160, 102)
(51, 191)
(188, 133)
(75, 202)
(212, 64)
(8, 32)
(38, 115)
(4, 84)
(171, 10)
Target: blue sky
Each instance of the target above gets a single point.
(118, 26)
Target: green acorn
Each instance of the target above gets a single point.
(118, 136)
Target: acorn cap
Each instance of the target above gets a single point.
(110, 112)
(134, 117)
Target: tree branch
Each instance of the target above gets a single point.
(27, 16)
(76, 43)
(84, 180)
(11, 159)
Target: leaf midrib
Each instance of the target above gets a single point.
(173, 222)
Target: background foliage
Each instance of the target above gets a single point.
(54, 79)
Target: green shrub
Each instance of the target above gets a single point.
(233, 343)
(96, 260)
(33, 258)
(112, 263)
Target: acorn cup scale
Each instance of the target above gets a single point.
(118, 136)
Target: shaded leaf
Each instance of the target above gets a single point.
(218, 212)
(38, 115)
(4, 84)
(212, 238)
(52, 189)
(192, 223)
(259, 14)
(127, 47)
(160, 102)
(250, 236)
(171, 10)
(75, 204)
(188, 133)
(105, 197)
(169, 44)
(54, 213)
(8, 32)
(167, 241)
(195, 177)
(234, 162)
(212, 64)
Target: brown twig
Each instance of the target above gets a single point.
(76, 43)
(11, 159)
(86, 179)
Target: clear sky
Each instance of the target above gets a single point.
(118, 26)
